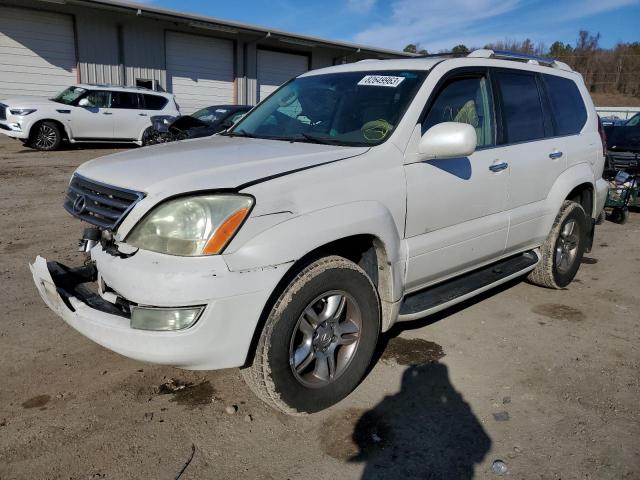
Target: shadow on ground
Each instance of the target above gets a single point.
(424, 431)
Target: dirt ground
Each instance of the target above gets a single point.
(546, 381)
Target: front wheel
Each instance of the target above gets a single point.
(563, 249)
(318, 339)
(46, 136)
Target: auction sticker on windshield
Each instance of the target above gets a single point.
(381, 81)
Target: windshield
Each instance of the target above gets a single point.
(210, 114)
(69, 95)
(633, 121)
(351, 108)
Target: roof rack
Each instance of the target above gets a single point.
(114, 85)
(520, 57)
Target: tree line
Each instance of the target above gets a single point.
(605, 70)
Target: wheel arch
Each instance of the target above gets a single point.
(62, 126)
(584, 194)
(365, 250)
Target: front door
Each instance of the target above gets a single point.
(456, 208)
(94, 119)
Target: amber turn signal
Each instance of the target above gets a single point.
(223, 234)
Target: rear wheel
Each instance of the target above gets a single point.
(46, 136)
(318, 339)
(563, 250)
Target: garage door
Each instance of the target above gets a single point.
(199, 70)
(37, 52)
(275, 68)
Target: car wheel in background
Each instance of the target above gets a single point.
(46, 136)
(563, 249)
(318, 339)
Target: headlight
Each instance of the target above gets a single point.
(22, 111)
(192, 226)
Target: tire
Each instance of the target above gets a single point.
(148, 137)
(46, 137)
(563, 249)
(290, 370)
(619, 215)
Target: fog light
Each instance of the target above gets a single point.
(164, 319)
(15, 127)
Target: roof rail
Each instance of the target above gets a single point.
(116, 85)
(520, 57)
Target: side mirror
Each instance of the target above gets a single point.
(84, 102)
(448, 140)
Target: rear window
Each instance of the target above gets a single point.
(523, 116)
(127, 100)
(154, 102)
(568, 108)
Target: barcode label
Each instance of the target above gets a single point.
(381, 81)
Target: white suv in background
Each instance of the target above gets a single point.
(84, 113)
(352, 198)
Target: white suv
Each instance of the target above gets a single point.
(84, 113)
(354, 197)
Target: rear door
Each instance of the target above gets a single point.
(534, 154)
(93, 121)
(130, 120)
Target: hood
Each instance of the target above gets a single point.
(27, 101)
(208, 163)
(624, 139)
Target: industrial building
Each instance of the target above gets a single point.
(46, 45)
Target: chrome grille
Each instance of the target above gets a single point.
(3, 111)
(101, 205)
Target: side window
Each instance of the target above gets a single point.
(522, 111)
(465, 100)
(98, 99)
(128, 100)
(566, 103)
(154, 102)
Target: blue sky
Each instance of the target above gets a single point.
(434, 24)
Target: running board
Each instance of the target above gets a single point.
(434, 299)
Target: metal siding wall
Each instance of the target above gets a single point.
(37, 52)
(98, 50)
(144, 53)
(200, 70)
(275, 68)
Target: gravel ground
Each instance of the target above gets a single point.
(546, 381)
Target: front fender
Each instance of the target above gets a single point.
(292, 239)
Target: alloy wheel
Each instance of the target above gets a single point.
(46, 137)
(567, 246)
(325, 339)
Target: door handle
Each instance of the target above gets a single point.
(555, 155)
(107, 113)
(143, 115)
(498, 167)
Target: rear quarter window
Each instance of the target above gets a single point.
(567, 106)
(154, 102)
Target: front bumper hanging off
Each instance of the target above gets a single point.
(231, 302)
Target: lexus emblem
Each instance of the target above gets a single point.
(79, 204)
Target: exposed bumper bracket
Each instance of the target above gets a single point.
(71, 282)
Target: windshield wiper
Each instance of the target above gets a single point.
(239, 133)
(323, 140)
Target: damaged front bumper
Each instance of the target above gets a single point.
(231, 304)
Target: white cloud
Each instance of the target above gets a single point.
(441, 24)
(421, 21)
(361, 6)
